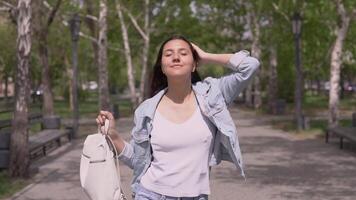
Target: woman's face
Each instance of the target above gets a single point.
(177, 59)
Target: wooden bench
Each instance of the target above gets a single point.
(342, 132)
(40, 143)
(46, 140)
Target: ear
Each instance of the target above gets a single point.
(194, 67)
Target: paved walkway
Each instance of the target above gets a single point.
(278, 166)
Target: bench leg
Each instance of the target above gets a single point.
(44, 150)
(327, 136)
(341, 142)
(59, 142)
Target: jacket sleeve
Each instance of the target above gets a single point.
(244, 67)
(126, 155)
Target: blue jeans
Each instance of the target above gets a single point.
(145, 194)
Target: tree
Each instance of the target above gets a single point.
(41, 28)
(104, 97)
(145, 34)
(130, 68)
(272, 80)
(19, 150)
(254, 16)
(336, 60)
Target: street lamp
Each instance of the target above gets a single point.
(298, 97)
(297, 24)
(74, 25)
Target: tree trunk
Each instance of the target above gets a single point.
(256, 52)
(298, 92)
(318, 86)
(272, 81)
(335, 66)
(248, 95)
(41, 33)
(6, 87)
(104, 97)
(342, 91)
(48, 109)
(145, 49)
(130, 74)
(93, 30)
(19, 150)
(70, 82)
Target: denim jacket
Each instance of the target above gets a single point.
(213, 96)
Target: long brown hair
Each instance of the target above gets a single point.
(159, 80)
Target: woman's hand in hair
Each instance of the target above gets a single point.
(202, 54)
(211, 58)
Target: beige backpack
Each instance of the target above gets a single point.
(99, 167)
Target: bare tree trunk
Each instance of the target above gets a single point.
(69, 71)
(145, 49)
(104, 97)
(48, 109)
(19, 150)
(248, 95)
(42, 29)
(256, 52)
(249, 89)
(130, 75)
(318, 86)
(299, 85)
(6, 87)
(92, 28)
(145, 34)
(272, 81)
(336, 62)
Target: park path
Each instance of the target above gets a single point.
(278, 166)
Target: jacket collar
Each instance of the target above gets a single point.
(198, 88)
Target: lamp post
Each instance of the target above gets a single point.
(74, 23)
(298, 97)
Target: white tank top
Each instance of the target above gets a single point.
(180, 167)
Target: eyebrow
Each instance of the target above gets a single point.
(180, 49)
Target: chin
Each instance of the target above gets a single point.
(179, 76)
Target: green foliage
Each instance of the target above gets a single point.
(9, 186)
(216, 26)
(7, 52)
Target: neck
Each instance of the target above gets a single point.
(179, 91)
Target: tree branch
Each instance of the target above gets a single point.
(94, 18)
(12, 11)
(53, 12)
(81, 34)
(7, 4)
(353, 14)
(88, 37)
(134, 22)
(278, 10)
(91, 17)
(6, 9)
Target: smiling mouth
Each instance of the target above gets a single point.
(176, 66)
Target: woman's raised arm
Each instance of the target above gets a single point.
(243, 65)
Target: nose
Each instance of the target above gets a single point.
(176, 57)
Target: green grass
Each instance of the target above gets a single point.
(316, 104)
(312, 101)
(10, 186)
(88, 109)
(314, 125)
(315, 101)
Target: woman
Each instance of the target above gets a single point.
(185, 127)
